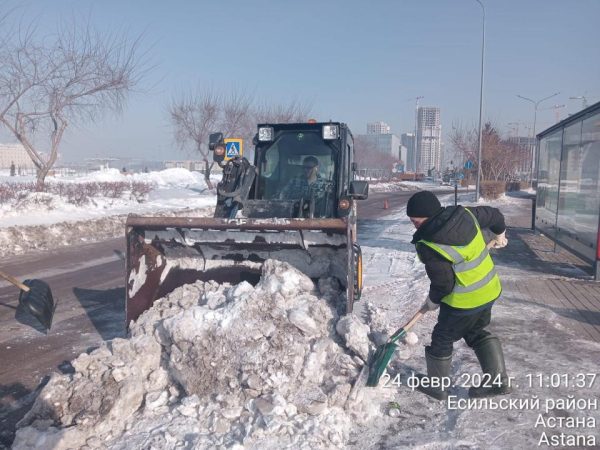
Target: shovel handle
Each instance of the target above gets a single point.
(394, 337)
(14, 281)
(414, 319)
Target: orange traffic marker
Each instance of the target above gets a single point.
(386, 204)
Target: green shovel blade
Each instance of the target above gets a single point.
(382, 357)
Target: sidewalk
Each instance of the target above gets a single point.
(536, 271)
(547, 320)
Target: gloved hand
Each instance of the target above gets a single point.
(500, 240)
(429, 305)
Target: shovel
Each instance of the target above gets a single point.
(36, 297)
(384, 352)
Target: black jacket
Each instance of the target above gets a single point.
(451, 226)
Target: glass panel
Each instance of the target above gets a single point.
(586, 221)
(548, 180)
(570, 178)
(579, 192)
(299, 165)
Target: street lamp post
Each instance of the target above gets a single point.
(479, 140)
(535, 110)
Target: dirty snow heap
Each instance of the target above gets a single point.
(214, 365)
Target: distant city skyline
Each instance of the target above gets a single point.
(353, 64)
(378, 128)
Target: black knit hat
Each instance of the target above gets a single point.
(423, 204)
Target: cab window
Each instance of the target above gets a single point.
(283, 165)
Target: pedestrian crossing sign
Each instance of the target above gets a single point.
(233, 147)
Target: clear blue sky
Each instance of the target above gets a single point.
(354, 61)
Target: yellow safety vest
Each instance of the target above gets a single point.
(475, 280)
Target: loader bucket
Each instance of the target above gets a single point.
(164, 253)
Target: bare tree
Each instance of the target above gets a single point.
(497, 160)
(236, 118)
(294, 111)
(464, 142)
(501, 159)
(194, 116)
(235, 114)
(198, 113)
(47, 83)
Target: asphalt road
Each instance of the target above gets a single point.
(373, 207)
(88, 282)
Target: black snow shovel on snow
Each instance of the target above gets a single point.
(36, 297)
(384, 352)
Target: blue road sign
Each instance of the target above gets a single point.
(469, 164)
(234, 147)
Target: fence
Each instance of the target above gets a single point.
(377, 174)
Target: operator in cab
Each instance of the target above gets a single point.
(310, 185)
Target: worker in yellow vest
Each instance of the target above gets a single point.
(464, 286)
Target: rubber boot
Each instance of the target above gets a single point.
(490, 356)
(438, 371)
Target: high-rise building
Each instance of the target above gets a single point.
(408, 141)
(429, 134)
(384, 143)
(378, 128)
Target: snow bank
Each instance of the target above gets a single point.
(40, 221)
(212, 365)
(396, 186)
(18, 240)
(175, 177)
(105, 175)
(391, 186)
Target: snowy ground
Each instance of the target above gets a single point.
(272, 366)
(395, 186)
(396, 286)
(40, 222)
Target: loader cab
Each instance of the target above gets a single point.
(304, 168)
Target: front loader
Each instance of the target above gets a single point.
(295, 204)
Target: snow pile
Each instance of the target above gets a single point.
(213, 365)
(101, 176)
